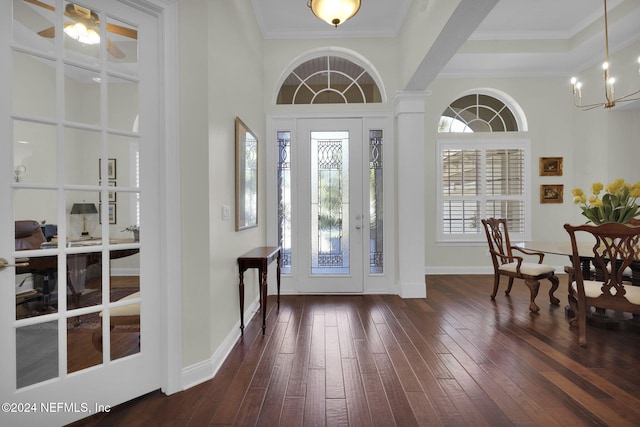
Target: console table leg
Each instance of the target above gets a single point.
(278, 278)
(241, 290)
(263, 290)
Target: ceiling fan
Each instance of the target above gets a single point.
(87, 21)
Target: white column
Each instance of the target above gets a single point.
(410, 140)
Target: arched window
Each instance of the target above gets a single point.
(477, 112)
(480, 176)
(329, 79)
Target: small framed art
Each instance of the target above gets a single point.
(111, 169)
(551, 193)
(550, 166)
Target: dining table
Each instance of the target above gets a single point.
(585, 252)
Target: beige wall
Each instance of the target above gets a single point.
(221, 78)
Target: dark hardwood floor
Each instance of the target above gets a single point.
(455, 358)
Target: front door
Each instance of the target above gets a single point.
(330, 205)
(80, 310)
(334, 193)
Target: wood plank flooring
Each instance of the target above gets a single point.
(454, 359)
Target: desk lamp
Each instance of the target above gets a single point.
(84, 209)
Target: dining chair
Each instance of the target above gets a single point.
(614, 249)
(505, 263)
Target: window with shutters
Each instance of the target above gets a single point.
(481, 175)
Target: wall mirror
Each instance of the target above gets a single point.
(246, 177)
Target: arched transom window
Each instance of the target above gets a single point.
(477, 112)
(328, 80)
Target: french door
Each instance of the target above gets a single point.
(80, 310)
(331, 203)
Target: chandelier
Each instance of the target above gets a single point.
(609, 81)
(334, 12)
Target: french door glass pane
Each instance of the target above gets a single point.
(36, 353)
(34, 145)
(34, 87)
(122, 92)
(82, 95)
(122, 46)
(330, 203)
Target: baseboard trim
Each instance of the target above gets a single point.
(458, 270)
(559, 269)
(207, 369)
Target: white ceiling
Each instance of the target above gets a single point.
(538, 37)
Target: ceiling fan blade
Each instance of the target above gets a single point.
(43, 5)
(48, 32)
(114, 50)
(122, 31)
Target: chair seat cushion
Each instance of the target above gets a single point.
(126, 310)
(528, 268)
(593, 289)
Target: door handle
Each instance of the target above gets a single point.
(21, 262)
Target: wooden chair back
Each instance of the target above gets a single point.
(615, 248)
(498, 239)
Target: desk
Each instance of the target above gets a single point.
(259, 258)
(47, 266)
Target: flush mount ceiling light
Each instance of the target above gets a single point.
(81, 33)
(609, 81)
(334, 12)
(83, 27)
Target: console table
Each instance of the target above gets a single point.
(259, 258)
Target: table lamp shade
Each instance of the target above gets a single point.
(84, 208)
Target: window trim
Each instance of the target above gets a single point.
(475, 142)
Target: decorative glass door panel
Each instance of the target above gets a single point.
(331, 208)
(330, 203)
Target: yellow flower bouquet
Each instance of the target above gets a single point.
(617, 204)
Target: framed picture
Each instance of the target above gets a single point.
(553, 193)
(111, 169)
(111, 214)
(246, 177)
(550, 166)
(113, 197)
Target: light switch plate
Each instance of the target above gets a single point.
(226, 213)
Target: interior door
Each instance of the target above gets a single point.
(79, 318)
(330, 203)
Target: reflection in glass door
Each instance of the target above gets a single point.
(74, 204)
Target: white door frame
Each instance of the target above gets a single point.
(373, 284)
